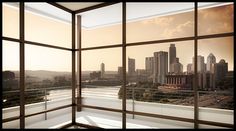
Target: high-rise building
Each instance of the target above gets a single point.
(220, 69)
(140, 72)
(211, 60)
(190, 68)
(201, 80)
(201, 67)
(120, 72)
(172, 51)
(205, 67)
(102, 70)
(149, 64)
(160, 66)
(200, 64)
(131, 66)
(176, 67)
(210, 81)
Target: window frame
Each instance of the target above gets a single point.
(122, 45)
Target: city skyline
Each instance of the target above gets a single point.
(156, 28)
(151, 62)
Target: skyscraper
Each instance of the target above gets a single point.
(200, 64)
(120, 72)
(210, 81)
(190, 68)
(220, 69)
(201, 67)
(160, 66)
(211, 60)
(172, 51)
(149, 63)
(176, 67)
(131, 66)
(102, 70)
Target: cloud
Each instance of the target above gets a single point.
(160, 21)
(216, 20)
(179, 30)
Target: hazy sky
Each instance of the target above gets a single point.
(215, 20)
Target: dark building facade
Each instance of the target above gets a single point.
(172, 56)
(131, 66)
(182, 81)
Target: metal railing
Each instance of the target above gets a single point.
(181, 97)
(174, 97)
(11, 98)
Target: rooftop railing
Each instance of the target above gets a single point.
(147, 100)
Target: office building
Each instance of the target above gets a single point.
(221, 70)
(200, 64)
(160, 66)
(131, 67)
(120, 72)
(102, 70)
(149, 65)
(190, 69)
(211, 60)
(176, 67)
(172, 56)
(210, 81)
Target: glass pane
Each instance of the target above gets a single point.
(10, 22)
(102, 26)
(203, 126)
(143, 122)
(155, 21)
(100, 118)
(159, 81)
(55, 119)
(48, 78)
(10, 82)
(99, 77)
(215, 18)
(47, 24)
(11, 125)
(10, 79)
(215, 79)
(100, 84)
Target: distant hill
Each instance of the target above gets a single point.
(106, 72)
(44, 74)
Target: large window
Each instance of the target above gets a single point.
(162, 64)
(100, 83)
(47, 71)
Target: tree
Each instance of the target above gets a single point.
(8, 75)
(61, 81)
